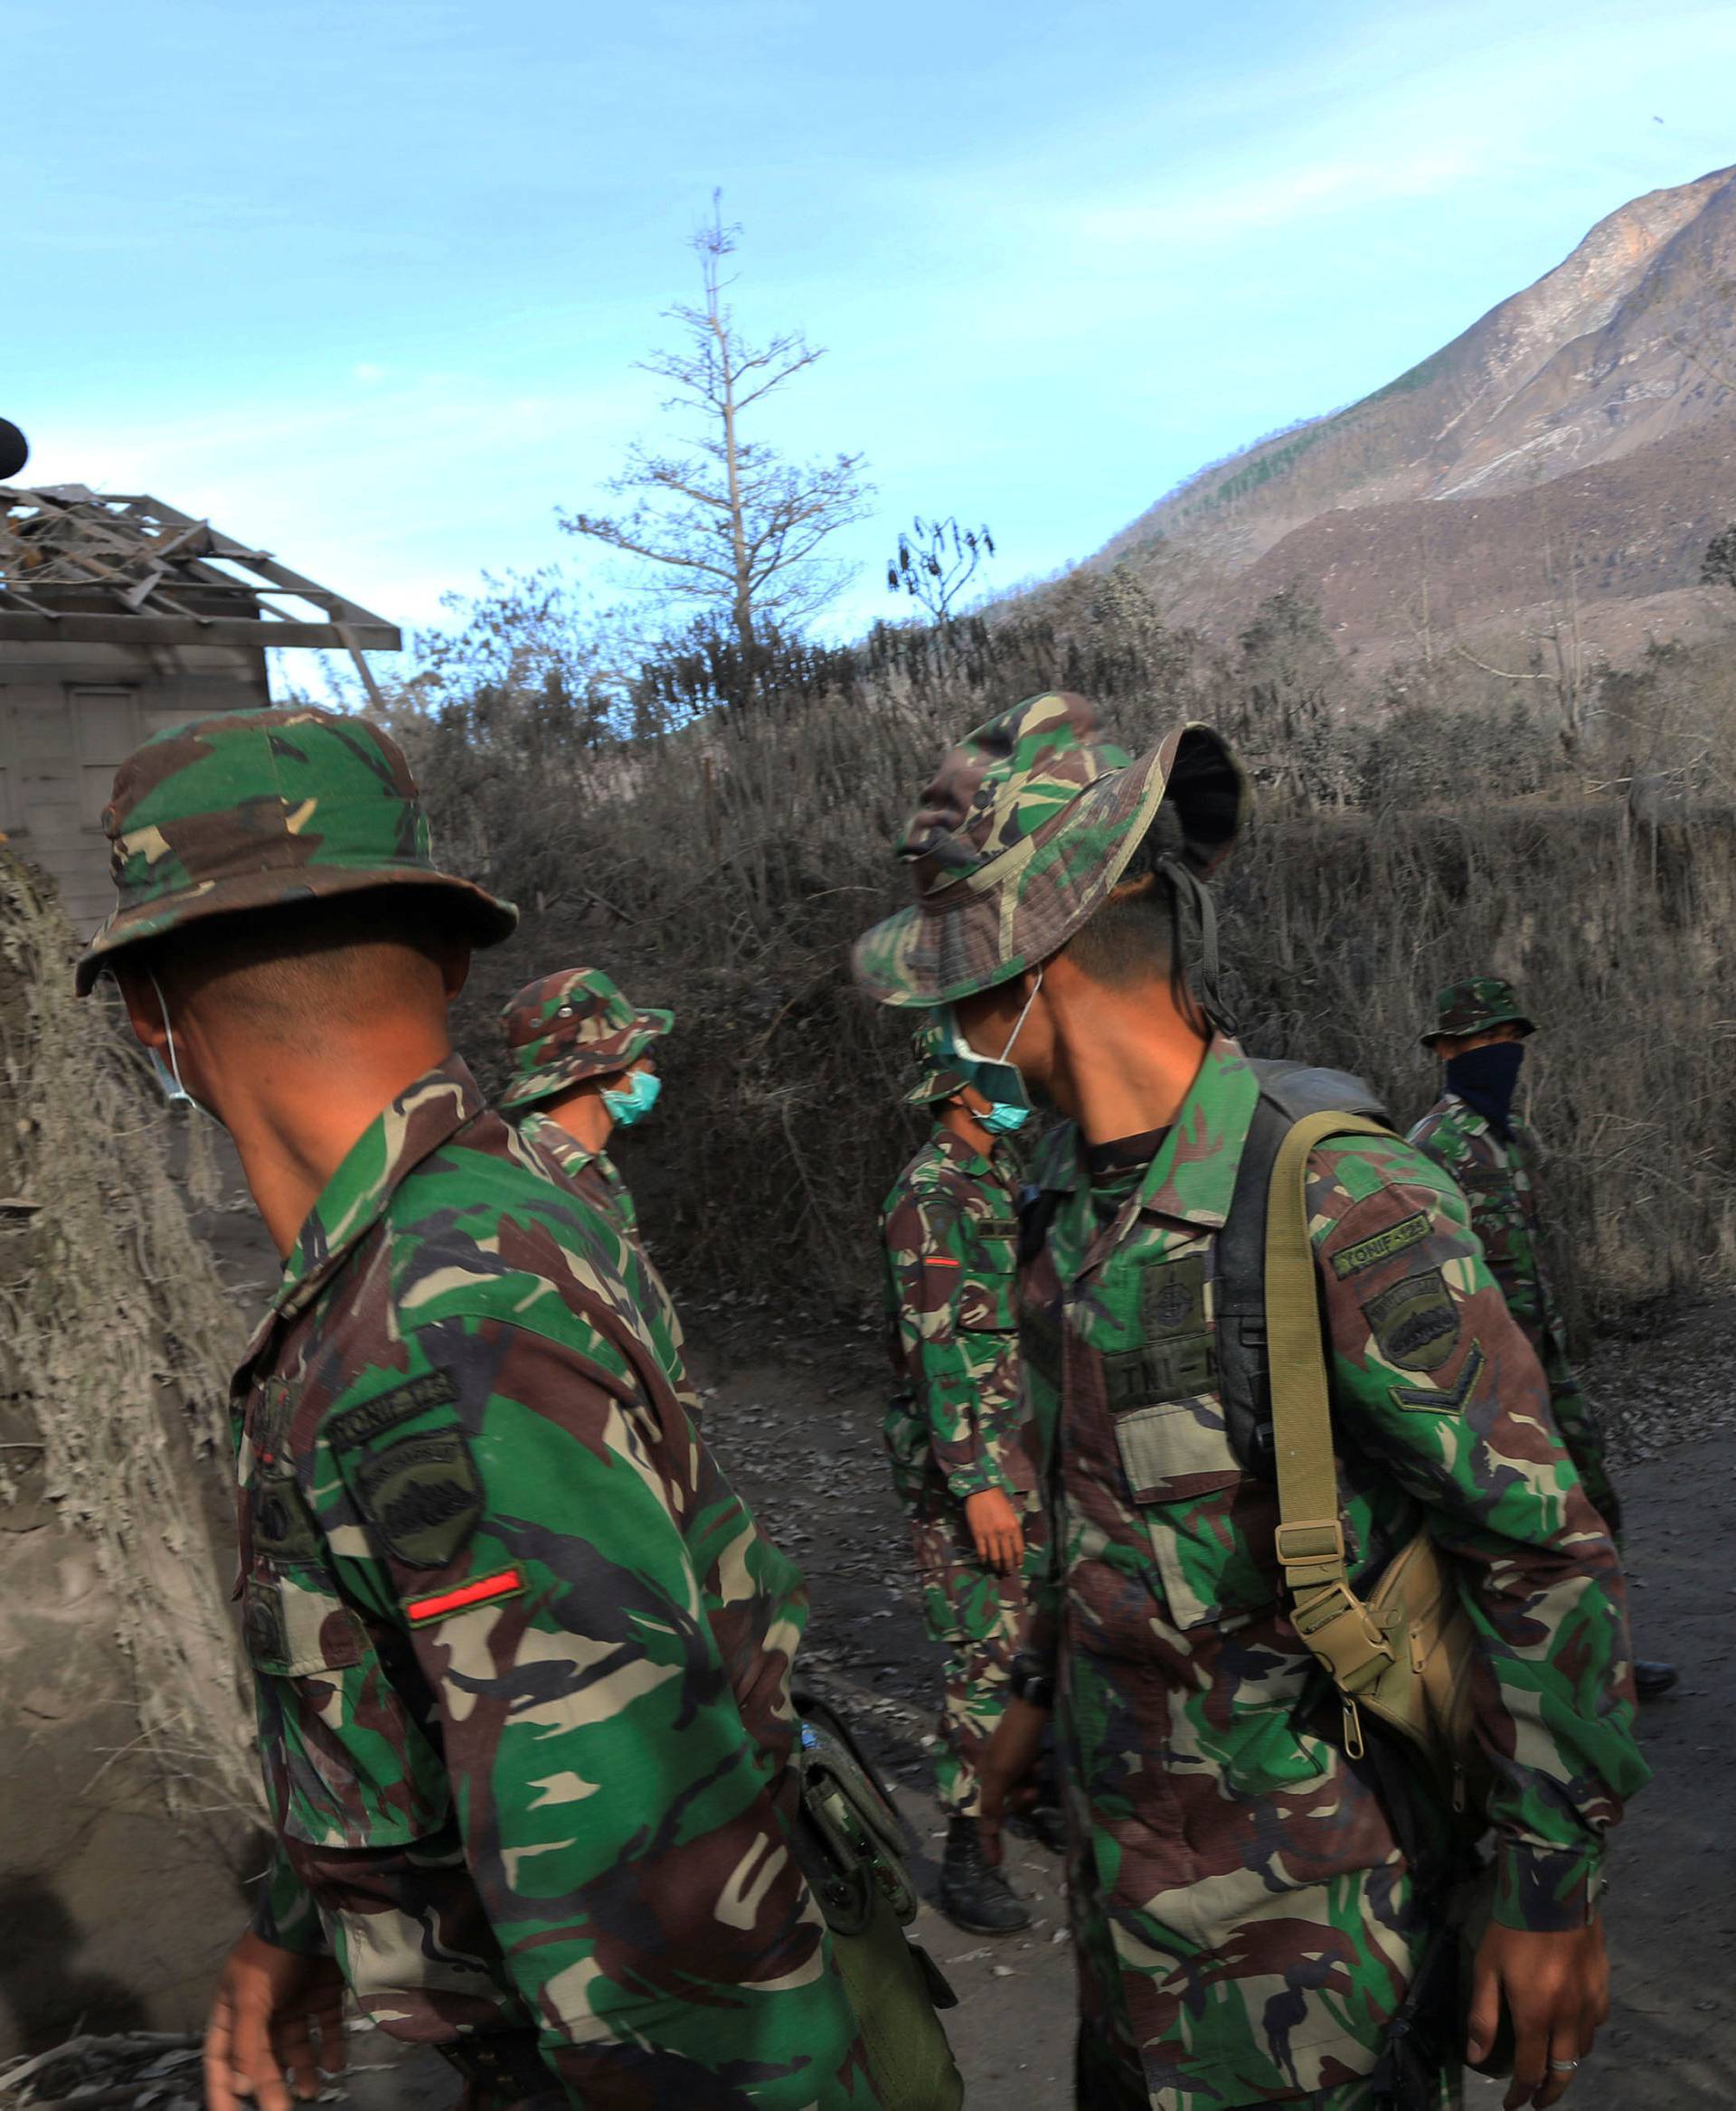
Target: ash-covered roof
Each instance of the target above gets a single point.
(79, 567)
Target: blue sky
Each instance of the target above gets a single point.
(366, 282)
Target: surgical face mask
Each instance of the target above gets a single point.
(636, 1099)
(168, 1074)
(996, 1079)
(1003, 1120)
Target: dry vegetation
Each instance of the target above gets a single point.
(1426, 823)
(116, 1339)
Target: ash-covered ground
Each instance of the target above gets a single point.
(795, 1417)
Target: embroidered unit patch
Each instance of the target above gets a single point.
(423, 1496)
(1446, 1400)
(1172, 1297)
(1414, 1322)
(1397, 1238)
(355, 1425)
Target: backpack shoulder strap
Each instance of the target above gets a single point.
(1288, 1092)
(1327, 1613)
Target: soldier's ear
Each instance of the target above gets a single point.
(144, 1008)
(455, 966)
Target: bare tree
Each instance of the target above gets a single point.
(729, 525)
(935, 562)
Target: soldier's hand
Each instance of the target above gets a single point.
(1556, 1988)
(274, 2009)
(995, 1529)
(1007, 1772)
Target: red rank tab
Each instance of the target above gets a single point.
(507, 1583)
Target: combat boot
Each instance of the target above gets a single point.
(1048, 1827)
(973, 1896)
(1652, 1680)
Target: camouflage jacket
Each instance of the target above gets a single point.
(1500, 1180)
(950, 1231)
(522, 1655)
(595, 1175)
(1243, 1908)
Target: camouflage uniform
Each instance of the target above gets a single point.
(559, 1031)
(522, 1657)
(958, 1424)
(1500, 1179)
(1245, 1922)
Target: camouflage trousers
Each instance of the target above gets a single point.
(979, 1618)
(1582, 1434)
(1103, 2084)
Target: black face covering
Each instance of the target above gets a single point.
(1486, 1078)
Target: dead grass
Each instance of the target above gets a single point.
(119, 1339)
(1430, 831)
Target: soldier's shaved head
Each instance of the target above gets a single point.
(309, 973)
(1131, 938)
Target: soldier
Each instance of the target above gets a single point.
(1246, 1922)
(964, 1457)
(1472, 1133)
(522, 1657)
(583, 1068)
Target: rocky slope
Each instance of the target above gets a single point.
(1584, 428)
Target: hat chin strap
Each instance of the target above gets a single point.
(1186, 887)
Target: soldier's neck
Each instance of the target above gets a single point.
(1125, 1059)
(584, 1115)
(969, 1131)
(295, 1122)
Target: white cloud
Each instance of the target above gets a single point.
(1206, 214)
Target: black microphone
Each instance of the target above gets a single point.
(14, 451)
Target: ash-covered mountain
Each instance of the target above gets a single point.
(1577, 444)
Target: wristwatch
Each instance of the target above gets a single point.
(1033, 1679)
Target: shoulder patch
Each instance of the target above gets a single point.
(423, 1496)
(1444, 1400)
(1382, 1246)
(355, 1425)
(1414, 1322)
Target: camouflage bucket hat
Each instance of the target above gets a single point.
(1029, 822)
(941, 1077)
(1474, 1006)
(572, 1026)
(252, 810)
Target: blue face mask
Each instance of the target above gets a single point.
(1003, 1120)
(636, 1100)
(997, 1080)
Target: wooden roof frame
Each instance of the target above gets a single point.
(80, 567)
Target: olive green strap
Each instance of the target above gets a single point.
(1328, 1615)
